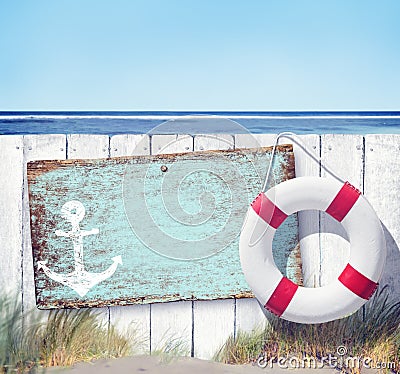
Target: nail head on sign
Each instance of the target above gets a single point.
(164, 168)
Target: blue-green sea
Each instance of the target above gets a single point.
(135, 122)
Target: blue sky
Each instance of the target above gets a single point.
(200, 55)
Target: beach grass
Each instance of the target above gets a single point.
(67, 337)
(172, 346)
(71, 336)
(18, 350)
(371, 332)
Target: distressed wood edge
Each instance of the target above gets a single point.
(136, 301)
(37, 167)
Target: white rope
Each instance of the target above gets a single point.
(294, 137)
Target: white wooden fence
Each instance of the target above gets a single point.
(371, 163)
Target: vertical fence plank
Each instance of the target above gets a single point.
(171, 320)
(90, 146)
(129, 145)
(132, 319)
(344, 155)
(254, 140)
(171, 327)
(307, 166)
(87, 146)
(214, 321)
(171, 144)
(213, 141)
(36, 147)
(249, 314)
(11, 187)
(133, 322)
(382, 189)
(213, 325)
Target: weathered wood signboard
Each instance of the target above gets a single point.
(151, 228)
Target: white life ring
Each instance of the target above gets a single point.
(356, 283)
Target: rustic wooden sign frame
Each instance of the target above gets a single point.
(86, 221)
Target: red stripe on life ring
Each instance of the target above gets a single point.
(357, 282)
(343, 201)
(281, 297)
(268, 211)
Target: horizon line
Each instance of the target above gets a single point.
(201, 110)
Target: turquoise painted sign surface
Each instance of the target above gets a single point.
(151, 228)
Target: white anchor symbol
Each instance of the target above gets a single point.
(79, 280)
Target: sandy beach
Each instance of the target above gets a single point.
(183, 365)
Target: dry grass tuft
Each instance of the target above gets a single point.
(71, 336)
(171, 347)
(373, 331)
(18, 350)
(67, 337)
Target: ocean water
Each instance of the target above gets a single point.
(112, 123)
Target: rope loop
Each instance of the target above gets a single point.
(296, 139)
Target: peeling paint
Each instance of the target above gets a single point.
(146, 276)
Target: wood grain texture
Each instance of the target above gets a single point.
(335, 248)
(382, 189)
(254, 140)
(291, 266)
(36, 147)
(88, 146)
(129, 145)
(132, 318)
(206, 347)
(213, 321)
(11, 187)
(167, 144)
(213, 324)
(309, 220)
(133, 322)
(171, 327)
(97, 185)
(172, 321)
(214, 141)
(382, 167)
(306, 152)
(249, 315)
(91, 147)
